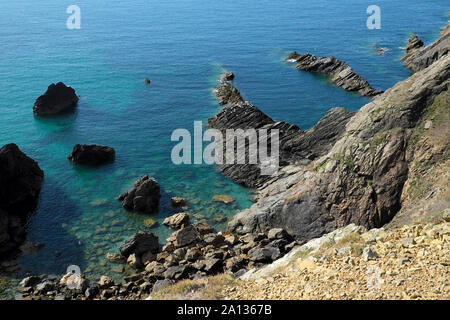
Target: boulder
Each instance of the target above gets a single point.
(228, 76)
(91, 154)
(142, 197)
(141, 242)
(105, 282)
(277, 233)
(177, 220)
(161, 284)
(176, 272)
(184, 237)
(57, 99)
(266, 254)
(20, 184)
(203, 228)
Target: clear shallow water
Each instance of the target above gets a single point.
(183, 46)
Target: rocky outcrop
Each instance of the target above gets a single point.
(296, 145)
(93, 155)
(57, 99)
(177, 220)
(143, 197)
(360, 179)
(418, 57)
(341, 73)
(20, 184)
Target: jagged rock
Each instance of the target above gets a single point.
(45, 286)
(134, 261)
(277, 233)
(360, 178)
(57, 99)
(177, 220)
(91, 154)
(20, 184)
(179, 202)
(143, 197)
(176, 272)
(341, 73)
(264, 254)
(161, 284)
(228, 94)
(368, 254)
(148, 257)
(212, 265)
(203, 228)
(184, 237)
(141, 242)
(214, 239)
(228, 76)
(418, 57)
(91, 292)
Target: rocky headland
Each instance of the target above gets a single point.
(340, 207)
(341, 74)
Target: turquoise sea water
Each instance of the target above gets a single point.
(183, 46)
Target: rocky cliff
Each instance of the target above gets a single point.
(349, 168)
(418, 57)
(20, 184)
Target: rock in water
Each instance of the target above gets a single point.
(20, 184)
(91, 154)
(57, 99)
(147, 80)
(143, 197)
(341, 73)
(413, 43)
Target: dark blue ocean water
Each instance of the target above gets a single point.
(183, 46)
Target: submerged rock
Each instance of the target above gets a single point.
(223, 198)
(57, 99)
(91, 154)
(177, 202)
(341, 73)
(143, 197)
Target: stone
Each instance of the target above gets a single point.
(223, 198)
(161, 284)
(185, 236)
(369, 254)
(45, 286)
(134, 261)
(277, 233)
(212, 265)
(266, 254)
(176, 272)
(105, 282)
(203, 228)
(177, 220)
(92, 155)
(141, 242)
(57, 99)
(228, 76)
(408, 242)
(29, 281)
(214, 239)
(143, 197)
(177, 202)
